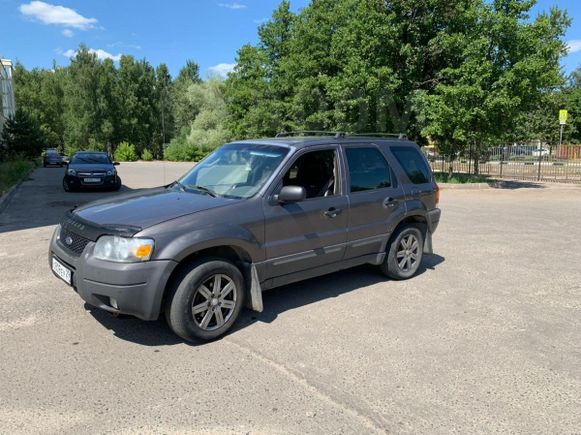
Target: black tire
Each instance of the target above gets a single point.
(186, 294)
(117, 185)
(66, 186)
(398, 253)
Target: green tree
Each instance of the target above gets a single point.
(506, 61)
(21, 136)
(184, 112)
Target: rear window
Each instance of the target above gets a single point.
(368, 169)
(413, 164)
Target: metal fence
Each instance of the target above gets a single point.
(560, 164)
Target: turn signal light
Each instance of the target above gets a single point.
(143, 251)
(437, 190)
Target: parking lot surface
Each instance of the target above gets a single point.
(487, 338)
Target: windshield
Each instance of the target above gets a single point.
(90, 159)
(235, 170)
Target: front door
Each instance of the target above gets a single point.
(313, 232)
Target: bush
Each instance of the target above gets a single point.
(146, 155)
(180, 150)
(13, 171)
(125, 152)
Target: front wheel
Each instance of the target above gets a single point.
(206, 300)
(405, 253)
(66, 186)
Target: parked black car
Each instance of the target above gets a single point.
(52, 157)
(253, 215)
(90, 170)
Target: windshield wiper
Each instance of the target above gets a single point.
(180, 185)
(205, 190)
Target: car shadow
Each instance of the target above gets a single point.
(515, 184)
(276, 301)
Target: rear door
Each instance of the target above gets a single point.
(376, 200)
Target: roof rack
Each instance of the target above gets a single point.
(401, 136)
(336, 134)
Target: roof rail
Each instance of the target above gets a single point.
(336, 134)
(401, 136)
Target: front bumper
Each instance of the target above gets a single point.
(135, 288)
(75, 182)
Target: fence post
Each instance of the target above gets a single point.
(501, 160)
(540, 161)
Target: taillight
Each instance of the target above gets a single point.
(437, 191)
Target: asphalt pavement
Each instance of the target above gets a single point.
(487, 338)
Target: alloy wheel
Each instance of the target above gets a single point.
(408, 252)
(214, 302)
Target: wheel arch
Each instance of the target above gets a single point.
(236, 255)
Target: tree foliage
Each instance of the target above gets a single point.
(21, 137)
(94, 104)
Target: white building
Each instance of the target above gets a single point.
(7, 105)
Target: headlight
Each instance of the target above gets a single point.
(110, 173)
(71, 172)
(57, 232)
(123, 249)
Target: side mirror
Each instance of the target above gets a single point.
(116, 163)
(291, 194)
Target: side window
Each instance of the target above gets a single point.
(413, 164)
(368, 169)
(316, 171)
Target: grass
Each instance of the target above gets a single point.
(443, 177)
(12, 172)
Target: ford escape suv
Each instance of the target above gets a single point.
(253, 215)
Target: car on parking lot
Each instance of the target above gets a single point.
(253, 215)
(91, 170)
(51, 157)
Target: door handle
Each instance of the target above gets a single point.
(389, 202)
(332, 212)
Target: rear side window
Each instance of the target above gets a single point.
(368, 169)
(413, 164)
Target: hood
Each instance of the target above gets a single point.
(147, 207)
(91, 168)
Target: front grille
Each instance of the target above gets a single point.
(92, 174)
(77, 242)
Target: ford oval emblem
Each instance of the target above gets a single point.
(69, 240)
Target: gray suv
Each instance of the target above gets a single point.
(251, 216)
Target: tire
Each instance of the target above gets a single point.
(402, 261)
(117, 185)
(66, 186)
(192, 309)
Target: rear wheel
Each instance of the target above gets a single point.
(206, 300)
(405, 253)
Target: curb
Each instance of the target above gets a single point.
(5, 199)
(466, 186)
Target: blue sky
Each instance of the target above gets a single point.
(206, 31)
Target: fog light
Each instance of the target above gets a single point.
(113, 303)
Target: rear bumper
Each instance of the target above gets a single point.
(125, 288)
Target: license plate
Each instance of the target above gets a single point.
(92, 180)
(61, 271)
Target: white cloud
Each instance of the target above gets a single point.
(68, 33)
(234, 5)
(101, 54)
(574, 46)
(222, 69)
(60, 15)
